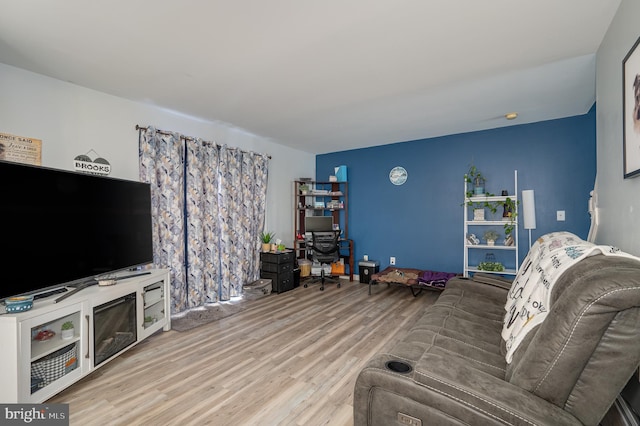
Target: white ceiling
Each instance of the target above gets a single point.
(322, 76)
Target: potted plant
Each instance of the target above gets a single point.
(475, 188)
(148, 320)
(477, 180)
(491, 266)
(265, 238)
(510, 209)
(491, 237)
(67, 330)
(304, 189)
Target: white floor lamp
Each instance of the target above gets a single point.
(529, 211)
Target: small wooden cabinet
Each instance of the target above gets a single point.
(278, 267)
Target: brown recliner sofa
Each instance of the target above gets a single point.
(450, 369)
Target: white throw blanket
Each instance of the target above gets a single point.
(529, 297)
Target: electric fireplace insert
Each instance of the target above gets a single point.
(114, 327)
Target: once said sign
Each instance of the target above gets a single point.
(20, 149)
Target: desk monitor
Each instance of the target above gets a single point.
(318, 223)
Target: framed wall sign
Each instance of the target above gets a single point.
(631, 111)
(20, 149)
(83, 163)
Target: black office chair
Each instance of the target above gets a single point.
(324, 250)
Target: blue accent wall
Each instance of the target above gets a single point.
(421, 222)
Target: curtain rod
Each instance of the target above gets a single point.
(186, 138)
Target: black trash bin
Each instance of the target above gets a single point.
(368, 268)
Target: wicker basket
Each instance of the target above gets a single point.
(55, 365)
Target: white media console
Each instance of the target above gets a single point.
(26, 358)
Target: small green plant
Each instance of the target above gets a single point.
(266, 237)
(473, 175)
(491, 266)
(510, 224)
(476, 179)
(491, 235)
(148, 319)
(67, 325)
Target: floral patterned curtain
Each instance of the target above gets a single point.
(161, 164)
(229, 199)
(242, 201)
(218, 197)
(254, 205)
(201, 185)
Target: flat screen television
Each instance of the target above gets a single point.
(60, 228)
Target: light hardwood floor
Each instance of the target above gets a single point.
(289, 359)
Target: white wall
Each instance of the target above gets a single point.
(72, 120)
(618, 198)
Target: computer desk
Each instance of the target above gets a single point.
(346, 252)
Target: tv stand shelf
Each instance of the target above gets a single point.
(22, 352)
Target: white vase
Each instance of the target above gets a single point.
(478, 214)
(67, 334)
(491, 242)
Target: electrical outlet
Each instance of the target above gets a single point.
(560, 215)
(392, 260)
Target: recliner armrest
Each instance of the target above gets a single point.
(494, 280)
(449, 390)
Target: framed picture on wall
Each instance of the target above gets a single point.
(20, 149)
(631, 111)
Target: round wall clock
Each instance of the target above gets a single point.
(398, 175)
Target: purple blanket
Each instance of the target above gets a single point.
(435, 278)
